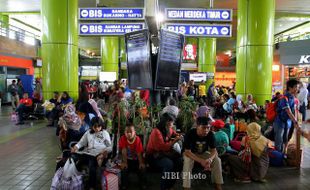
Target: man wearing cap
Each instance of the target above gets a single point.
(199, 145)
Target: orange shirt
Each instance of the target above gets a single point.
(156, 142)
(26, 101)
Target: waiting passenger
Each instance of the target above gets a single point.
(132, 158)
(98, 145)
(160, 152)
(49, 108)
(199, 145)
(257, 168)
(285, 118)
(25, 106)
(65, 99)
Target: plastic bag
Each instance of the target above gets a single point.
(70, 169)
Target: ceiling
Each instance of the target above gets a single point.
(289, 13)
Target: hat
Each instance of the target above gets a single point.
(203, 120)
(219, 124)
(201, 112)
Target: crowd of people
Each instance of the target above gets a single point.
(94, 121)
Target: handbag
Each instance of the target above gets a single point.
(14, 117)
(236, 143)
(245, 155)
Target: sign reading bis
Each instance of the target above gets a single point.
(210, 30)
(111, 13)
(224, 15)
(108, 28)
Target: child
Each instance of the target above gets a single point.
(132, 160)
(98, 144)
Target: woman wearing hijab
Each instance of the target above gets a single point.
(257, 168)
(69, 127)
(239, 108)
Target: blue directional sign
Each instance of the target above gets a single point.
(111, 13)
(224, 15)
(101, 29)
(209, 30)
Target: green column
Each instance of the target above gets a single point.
(4, 19)
(255, 48)
(60, 47)
(110, 54)
(207, 57)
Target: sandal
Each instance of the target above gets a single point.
(244, 180)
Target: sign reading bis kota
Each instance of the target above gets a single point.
(210, 30)
(111, 13)
(108, 28)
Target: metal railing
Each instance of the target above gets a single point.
(18, 34)
(291, 37)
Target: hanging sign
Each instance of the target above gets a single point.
(206, 30)
(99, 29)
(111, 13)
(220, 15)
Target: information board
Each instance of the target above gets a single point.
(138, 60)
(100, 29)
(206, 30)
(111, 13)
(169, 60)
(219, 15)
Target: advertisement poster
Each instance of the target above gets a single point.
(190, 52)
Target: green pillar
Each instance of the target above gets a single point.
(207, 57)
(60, 47)
(4, 18)
(110, 54)
(255, 34)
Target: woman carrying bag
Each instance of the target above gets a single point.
(252, 162)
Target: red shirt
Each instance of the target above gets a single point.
(145, 95)
(26, 101)
(156, 142)
(132, 149)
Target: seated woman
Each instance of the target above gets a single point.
(160, 149)
(25, 106)
(257, 168)
(250, 103)
(239, 108)
(69, 125)
(63, 100)
(98, 144)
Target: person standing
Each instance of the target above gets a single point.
(13, 89)
(20, 89)
(285, 118)
(303, 100)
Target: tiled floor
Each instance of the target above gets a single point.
(28, 152)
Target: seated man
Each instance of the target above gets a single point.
(199, 145)
(25, 106)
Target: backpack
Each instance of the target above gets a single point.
(276, 158)
(271, 111)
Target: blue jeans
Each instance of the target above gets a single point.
(303, 111)
(281, 133)
(167, 165)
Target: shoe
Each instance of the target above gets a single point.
(245, 180)
(260, 180)
(20, 123)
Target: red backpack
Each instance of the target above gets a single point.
(271, 111)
